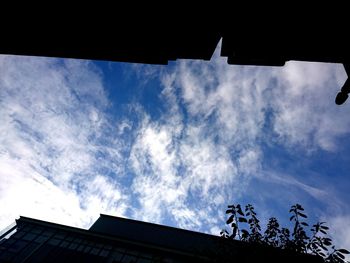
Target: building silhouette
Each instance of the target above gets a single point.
(114, 239)
(158, 41)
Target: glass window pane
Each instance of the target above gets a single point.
(108, 247)
(87, 249)
(117, 255)
(54, 241)
(64, 244)
(37, 230)
(104, 253)
(10, 241)
(6, 256)
(95, 251)
(41, 239)
(60, 235)
(27, 228)
(144, 260)
(81, 248)
(132, 252)
(18, 246)
(18, 234)
(73, 246)
(99, 245)
(78, 240)
(69, 238)
(29, 236)
(129, 258)
(48, 233)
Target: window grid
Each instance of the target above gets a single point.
(28, 238)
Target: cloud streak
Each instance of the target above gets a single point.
(65, 158)
(54, 140)
(221, 121)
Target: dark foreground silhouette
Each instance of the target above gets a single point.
(158, 38)
(245, 226)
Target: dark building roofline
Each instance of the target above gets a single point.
(160, 41)
(225, 249)
(159, 235)
(118, 238)
(154, 225)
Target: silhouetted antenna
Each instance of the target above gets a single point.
(343, 95)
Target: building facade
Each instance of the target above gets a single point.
(113, 239)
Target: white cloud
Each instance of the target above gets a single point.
(322, 195)
(187, 165)
(54, 139)
(304, 104)
(205, 149)
(186, 218)
(339, 230)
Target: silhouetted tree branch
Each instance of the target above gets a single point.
(245, 226)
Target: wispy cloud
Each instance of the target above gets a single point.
(340, 230)
(63, 158)
(56, 145)
(204, 151)
(304, 104)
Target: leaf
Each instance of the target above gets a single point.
(229, 211)
(340, 255)
(327, 243)
(302, 215)
(245, 233)
(321, 254)
(304, 224)
(239, 211)
(291, 218)
(322, 231)
(234, 232)
(338, 259)
(325, 227)
(230, 219)
(343, 251)
(242, 220)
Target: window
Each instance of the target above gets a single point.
(64, 244)
(73, 246)
(95, 251)
(117, 256)
(18, 234)
(41, 239)
(144, 260)
(129, 258)
(60, 235)
(18, 246)
(6, 256)
(29, 236)
(80, 248)
(87, 249)
(37, 230)
(54, 241)
(104, 253)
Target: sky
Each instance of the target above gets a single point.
(172, 144)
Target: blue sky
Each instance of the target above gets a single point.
(172, 144)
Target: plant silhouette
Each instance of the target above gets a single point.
(245, 226)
